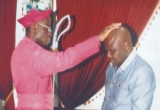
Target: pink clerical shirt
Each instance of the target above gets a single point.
(32, 69)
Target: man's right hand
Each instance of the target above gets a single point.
(105, 32)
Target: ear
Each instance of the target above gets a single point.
(126, 46)
(34, 27)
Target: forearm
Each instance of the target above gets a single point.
(59, 61)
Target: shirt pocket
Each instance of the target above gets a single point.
(120, 91)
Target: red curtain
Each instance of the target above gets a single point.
(7, 41)
(89, 17)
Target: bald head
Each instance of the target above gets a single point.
(120, 35)
(118, 45)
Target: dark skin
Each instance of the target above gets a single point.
(39, 33)
(118, 45)
(42, 37)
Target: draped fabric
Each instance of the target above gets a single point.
(89, 17)
(7, 41)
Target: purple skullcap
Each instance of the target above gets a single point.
(34, 16)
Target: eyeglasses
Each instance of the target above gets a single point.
(49, 29)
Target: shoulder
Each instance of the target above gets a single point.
(141, 65)
(142, 70)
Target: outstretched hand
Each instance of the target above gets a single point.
(105, 32)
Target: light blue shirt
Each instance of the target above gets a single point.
(131, 86)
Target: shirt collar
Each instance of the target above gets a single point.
(126, 62)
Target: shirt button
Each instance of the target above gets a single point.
(112, 82)
(109, 96)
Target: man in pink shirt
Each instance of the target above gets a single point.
(32, 66)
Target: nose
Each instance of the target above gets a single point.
(50, 34)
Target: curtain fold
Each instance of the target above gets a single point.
(89, 17)
(7, 41)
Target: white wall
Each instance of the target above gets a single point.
(1, 104)
(19, 35)
(149, 49)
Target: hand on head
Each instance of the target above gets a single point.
(105, 32)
